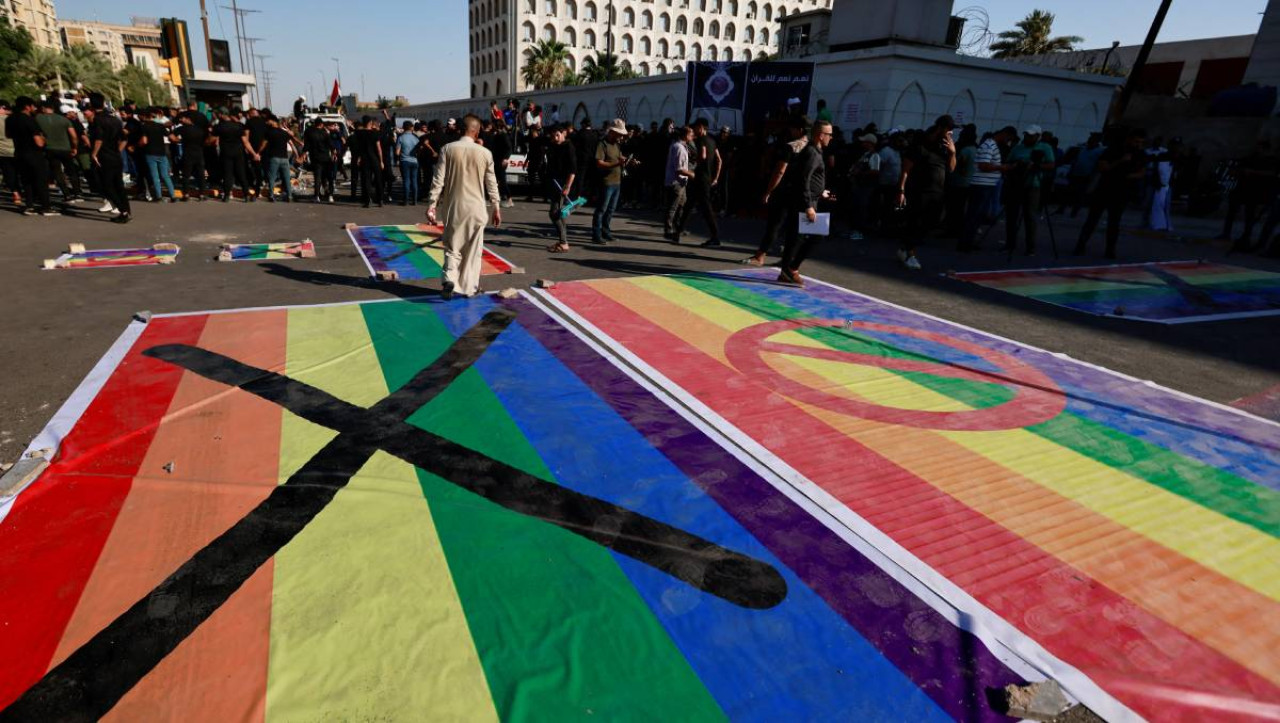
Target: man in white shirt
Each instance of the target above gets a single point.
(465, 185)
(677, 179)
(988, 165)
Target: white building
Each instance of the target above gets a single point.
(651, 37)
(39, 17)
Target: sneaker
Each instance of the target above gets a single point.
(30, 212)
(330, 200)
(912, 263)
(122, 218)
(508, 203)
(902, 256)
(50, 212)
(107, 208)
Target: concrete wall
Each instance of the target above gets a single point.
(865, 21)
(890, 85)
(1189, 52)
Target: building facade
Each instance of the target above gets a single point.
(136, 44)
(39, 18)
(650, 37)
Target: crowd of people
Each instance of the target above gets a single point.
(945, 183)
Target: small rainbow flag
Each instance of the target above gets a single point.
(412, 252)
(1171, 292)
(410, 510)
(273, 251)
(1121, 535)
(80, 258)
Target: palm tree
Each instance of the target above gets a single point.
(40, 67)
(604, 67)
(545, 65)
(1033, 37)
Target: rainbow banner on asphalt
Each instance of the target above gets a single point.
(411, 510)
(1170, 292)
(80, 258)
(273, 251)
(1122, 535)
(413, 252)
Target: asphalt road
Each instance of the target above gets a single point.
(56, 324)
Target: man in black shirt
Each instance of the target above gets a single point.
(233, 147)
(107, 134)
(809, 188)
(257, 125)
(925, 166)
(783, 175)
(355, 145)
(706, 174)
(156, 155)
(1120, 169)
(368, 147)
(319, 151)
(496, 141)
(275, 149)
(192, 138)
(561, 173)
(28, 152)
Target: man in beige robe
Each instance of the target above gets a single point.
(465, 186)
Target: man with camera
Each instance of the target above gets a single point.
(1028, 165)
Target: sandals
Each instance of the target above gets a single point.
(558, 248)
(753, 261)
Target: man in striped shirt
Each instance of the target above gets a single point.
(988, 165)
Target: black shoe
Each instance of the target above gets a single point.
(446, 291)
(122, 218)
(271, 199)
(710, 244)
(607, 237)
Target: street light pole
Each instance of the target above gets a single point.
(1126, 93)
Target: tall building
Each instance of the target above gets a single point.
(38, 16)
(651, 37)
(136, 44)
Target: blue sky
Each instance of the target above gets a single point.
(419, 49)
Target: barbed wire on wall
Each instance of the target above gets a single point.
(977, 37)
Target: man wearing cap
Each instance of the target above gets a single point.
(465, 185)
(610, 161)
(1028, 164)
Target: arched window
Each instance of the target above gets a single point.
(713, 54)
(498, 89)
(644, 69)
(549, 7)
(702, 6)
(646, 20)
(626, 44)
(697, 51)
(570, 63)
(486, 88)
(764, 36)
(680, 49)
(715, 28)
(730, 32)
(662, 68)
(571, 9)
(749, 35)
(530, 6)
(664, 50)
(733, 7)
(768, 11)
(782, 12)
(751, 10)
(589, 11)
(646, 46)
(628, 18)
(570, 37)
(549, 32)
(526, 32)
(589, 39)
(746, 55)
(697, 27)
(626, 65)
(664, 23)
(682, 25)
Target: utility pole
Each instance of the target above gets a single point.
(252, 45)
(241, 30)
(267, 78)
(1135, 72)
(204, 23)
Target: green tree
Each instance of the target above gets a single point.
(1034, 36)
(545, 65)
(39, 69)
(603, 67)
(140, 86)
(15, 45)
(84, 66)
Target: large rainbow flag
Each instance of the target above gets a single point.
(413, 510)
(1121, 535)
(1171, 292)
(413, 252)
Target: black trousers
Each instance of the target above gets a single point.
(192, 170)
(324, 178)
(234, 171)
(370, 181)
(1022, 208)
(65, 171)
(558, 202)
(111, 176)
(699, 199)
(1113, 204)
(795, 246)
(773, 224)
(33, 169)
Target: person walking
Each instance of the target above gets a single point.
(1120, 168)
(107, 134)
(921, 191)
(776, 198)
(61, 141)
(610, 161)
(366, 144)
(406, 152)
(192, 138)
(28, 151)
(561, 174)
(232, 139)
(809, 189)
(156, 156)
(706, 174)
(466, 186)
(676, 181)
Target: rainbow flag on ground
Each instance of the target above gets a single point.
(1122, 535)
(411, 510)
(1171, 292)
(273, 251)
(413, 252)
(80, 258)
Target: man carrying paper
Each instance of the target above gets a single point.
(810, 187)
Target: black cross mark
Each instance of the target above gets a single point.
(1190, 293)
(95, 677)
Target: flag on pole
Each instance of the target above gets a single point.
(333, 97)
